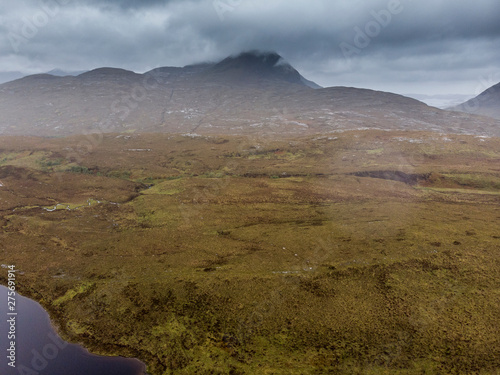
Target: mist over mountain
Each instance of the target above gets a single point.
(250, 93)
(256, 67)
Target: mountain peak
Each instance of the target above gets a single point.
(256, 61)
(108, 72)
(255, 66)
(269, 58)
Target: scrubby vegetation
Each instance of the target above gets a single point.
(367, 252)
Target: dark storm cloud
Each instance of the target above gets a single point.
(384, 44)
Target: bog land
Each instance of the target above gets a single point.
(373, 252)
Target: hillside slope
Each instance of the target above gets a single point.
(487, 103)
(253, 93)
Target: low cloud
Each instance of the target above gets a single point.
(397, 45)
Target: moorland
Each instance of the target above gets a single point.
(360, 251)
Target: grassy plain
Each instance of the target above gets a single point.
(362, 252)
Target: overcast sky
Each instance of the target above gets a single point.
(403, 46)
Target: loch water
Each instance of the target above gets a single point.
(40, 351)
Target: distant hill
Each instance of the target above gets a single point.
(10, 76)
(250, 93)
(63, 73)
(487, 103)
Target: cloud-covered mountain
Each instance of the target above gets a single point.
(251, 93)
(256, 67)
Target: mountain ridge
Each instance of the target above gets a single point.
(249, 93)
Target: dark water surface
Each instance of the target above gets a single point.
(40, 351)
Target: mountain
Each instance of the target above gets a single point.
(487, 103)
(256, 67)
(170, 74)
(63, 73)
(10, 76)
(250, 93)
(247, 68)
